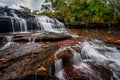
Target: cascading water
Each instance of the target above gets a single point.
(59, 69)
(43, 23)
(31, 40)
(8, 40)
(49, 24)
(95, 61)
(18, 24)
(21, 22)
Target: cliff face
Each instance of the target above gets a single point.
(7, 19)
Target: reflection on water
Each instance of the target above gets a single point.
(109, 38)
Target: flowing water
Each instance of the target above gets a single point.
(58, 69)
(24, 25)
(49, 24)
(8, 40)
(18, 24)
(94, 58)
(31, 40)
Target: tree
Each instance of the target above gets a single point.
(114, 4)
(97, 11)
(25, 9)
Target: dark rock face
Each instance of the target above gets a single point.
(6, 23)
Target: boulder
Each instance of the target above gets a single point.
(28, 60)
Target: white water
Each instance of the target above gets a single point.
(9, 38)
(18, 24)
(7, 45)
(8, 41)
(48, 24)
(59, 69)
(94, 51)
(31, 40)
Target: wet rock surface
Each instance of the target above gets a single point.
(95, 71)
(24, 58)
(38, 36)
(20, 61)
(7, 16)
(41, 36)
(32, 61)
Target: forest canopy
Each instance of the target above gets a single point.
(93, 11)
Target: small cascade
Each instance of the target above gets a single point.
(94, 60)
(31, 40)
(8, 40)
(5, 14)
(58, 66)
(49, 24)
(59, 69)
(18, 24)
(7, 45)
(76, 58)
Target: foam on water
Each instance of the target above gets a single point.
(18, 24)
(50, 24)
(96, 52)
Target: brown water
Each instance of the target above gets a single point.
(106, 36)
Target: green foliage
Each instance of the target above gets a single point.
(25, 9)
(57, 4)
(90, 11)
(35, 12)
(45, 8)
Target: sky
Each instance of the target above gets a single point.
(32, 4)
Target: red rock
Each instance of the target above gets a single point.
(65, 42)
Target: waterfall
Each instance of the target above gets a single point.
(94, 54)
(42, 23)
(21, 22)
(18, 24)
(48, 24)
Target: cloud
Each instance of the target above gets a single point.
(2, 4)
(32, 4)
